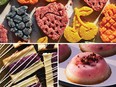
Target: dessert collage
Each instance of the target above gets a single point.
(57, 43)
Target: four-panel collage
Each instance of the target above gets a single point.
(57, 43)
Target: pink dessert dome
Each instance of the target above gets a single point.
(87, 68)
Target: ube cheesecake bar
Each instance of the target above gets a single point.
(87, 68)
(47, 48)
(23, 62)
(50, 63)
(32, 81)
(52, 19)
(26, 72)
(18, 55)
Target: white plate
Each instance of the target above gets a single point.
(75, 50)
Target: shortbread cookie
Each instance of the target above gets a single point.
(96, 4)
(108, 24)
(52, 19)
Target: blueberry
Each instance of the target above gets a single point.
(19, 33)
(24, 7)
(8, 18)
(26, 37)
(28, 24)
(13, 29)
(27, 31)
(13, 9)
(11, 24)
(26, 18)
(12, 14)
(17, 19)
(20, 25)
(22, 10)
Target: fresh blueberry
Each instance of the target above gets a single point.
(13, 9)
(8, 18)
(11, 24)
(22, 10)
(27, 31)
(20, 25)
(19, 33)
(26, 37)
(26, 18)
(13, 29)
(24, 7)
(11, 14)
(28, 24)
(17, 19)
